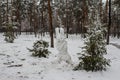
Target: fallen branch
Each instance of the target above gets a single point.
(19, 65)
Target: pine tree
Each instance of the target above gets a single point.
(9, 34)
(8, 20)
(40, 49)
(92, 57)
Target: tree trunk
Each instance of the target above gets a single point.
(50, 23)
(7, 12)
(42, 20)
(66, 22)
(100, 10)
(108, 33)
(35, 30)
(0, 17)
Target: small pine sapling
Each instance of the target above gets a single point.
(92, 57)
(40, 49)
(10, 26)
(9, 34)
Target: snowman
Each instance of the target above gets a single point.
(61, 45)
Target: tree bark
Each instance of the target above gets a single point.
(7, 12)
(35, 29)
(66, 22)
(50, 24)
(109, 24)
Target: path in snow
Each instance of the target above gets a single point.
(116, 45)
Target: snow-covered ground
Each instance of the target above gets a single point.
(16, 62)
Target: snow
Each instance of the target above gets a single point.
(62, 47)
(33, 68)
